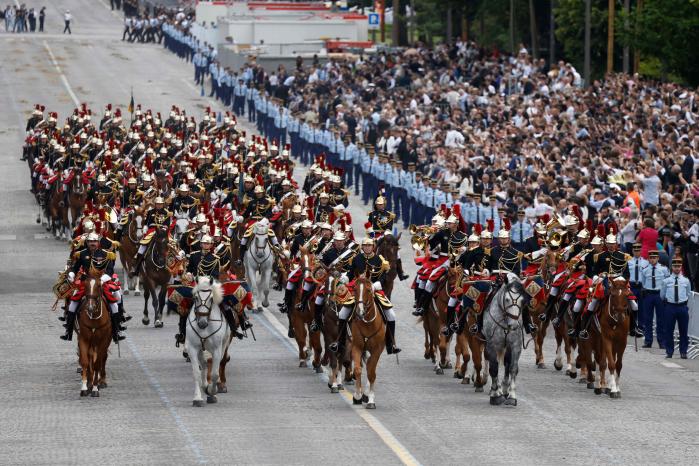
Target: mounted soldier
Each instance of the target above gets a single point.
(157, 218)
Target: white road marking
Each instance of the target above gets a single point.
(191, 443)
(8, 237)
(672, 365)
(279, 331)
(72, 95)
(42, 236)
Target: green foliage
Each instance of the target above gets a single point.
(570, 32)
(665, 32)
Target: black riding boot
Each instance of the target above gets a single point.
(118, 233)
(583, 334)
(317, 323)
(339, 345)
(529, 327)
(288, 302)
(477, 328)
(304, 298)
(422, 302)
(137, 265)
(634, 331)
(116, 327)
(449, 327)
(179, 338)
(69, 325)
(547, 309)
(391, 347)
(399, 268)
(230, 319)
(122, 313)
(562, 307)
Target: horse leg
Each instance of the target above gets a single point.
(84, 363)
(265, 275)
(371, 375)
(506, 363)
(357, 360)
(427, 339)
(95, 371)
(102, 382)
(478, 373)
(558, 362)
(146, 297)
(512, 369)
(222, 387)
(252, 281)
(495, 359)
(300, 336)
(443, 346)
(161, 305)
(539, 346)
(570, 367)
(196, 372)
(137, 286)
(212, 388)
(317, 351)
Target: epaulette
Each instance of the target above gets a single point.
(76, 255)
(627, 257)
(270, 232)
(385, 266)
(111, 256)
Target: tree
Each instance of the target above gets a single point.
(570, 33)
(666, 31)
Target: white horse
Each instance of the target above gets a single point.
(181, 224)
(207, 330)
(259, 258)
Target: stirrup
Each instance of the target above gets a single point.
(473, 329)
(583, 335)
(556, 322)
(447, 330)
(571, 332)
(283, 308)
(395, 350)
(542, 317)
(334, 347)
(314, 326)
(419, 312)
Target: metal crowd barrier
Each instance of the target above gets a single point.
(693, 329)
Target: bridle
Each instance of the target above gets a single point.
(208, 304)
(513, 296)
(259, 246)
(362, 306)
(93, 301)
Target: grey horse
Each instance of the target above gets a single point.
(502, 327)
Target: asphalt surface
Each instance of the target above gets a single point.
(274, 412)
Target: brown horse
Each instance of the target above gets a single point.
(94, 337)
(331, 331)
(547, 271)
(438, 311)
(615, 321)
(236, 265)
(129, 247)
(388, 247)
(57, 211)
(77, 197)
(301, 318)
(368, 335)
(155, 275)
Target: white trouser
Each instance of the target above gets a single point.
(142, 249)
(567, 296)
(289, 284)
(633, 304)
(554, 291)
(421, 284)
(579, 303)
(452, 301)
(593, 305)
(345, 312)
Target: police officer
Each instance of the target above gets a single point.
(521, 231)
(674, 293)
(653, 276)
(636, 266)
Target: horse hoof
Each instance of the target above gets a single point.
(95, 394)
(439, 371)
(371, 406)
(458, 375)
(356, 401)
(615, 395)
(479, 389)
(102, 385)
(83, 392)
(125, 292)
(222, 388)
(365, 399)
(334, 390)
(572, 374)
(606, 391)
(79, 370)
(340, 386)
(145, 321)
(541, 365)
(211, 399)
(558, 365)
(598, 391)
(348, 382)
(590, 385)
(434, 359)
(318, 370)
(264, 304)
(158, 324)
(449, 366)
(427, 356)
(303, 363)
(137, 293)
(198, 403)
(497, 400)
(511, 402)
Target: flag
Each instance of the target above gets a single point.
(131, 103)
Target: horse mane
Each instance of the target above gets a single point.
(204, 284)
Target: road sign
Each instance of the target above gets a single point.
(374, 21)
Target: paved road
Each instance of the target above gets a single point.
(275, 412)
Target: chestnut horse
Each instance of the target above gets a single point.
(331, 331)
(547, 271)
(155, 275)
(127, 251)
(94, 337)
(77, 197)
(615, 320)
(368, 335)
(301, 318)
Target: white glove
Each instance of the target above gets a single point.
(377, 286)
(105, 278)
(239, 219)
(71, 276)
(343, 278)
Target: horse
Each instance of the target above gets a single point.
(387, 247)
(437, 318)
(259, 258)
(57, 212)
(208, 331)
(155, 274)
(77, 197)
(543, 315)
(302, 317)
(236, 267)
(331, 331)
(127, 251)
(368, 335)
(181, 224)
(94, 336)
(502, 327)
(614, 322)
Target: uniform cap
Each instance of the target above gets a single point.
(339, 236)
(184, 187)
(259, 189)
(101, 178)
(503, 234)
(201, 218)
(146, 177)
(677, 261)
(88, 225)
(380, 200)
(610, 239)
(654, 253)
(286, 183)
(306, 224)
(324, 195)
(93, 236)
(159, 200)
(452, 219)
(132, 180)
(297, 209)
(206, 239)
(474, 238)
(368, 241)
(325, 226)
